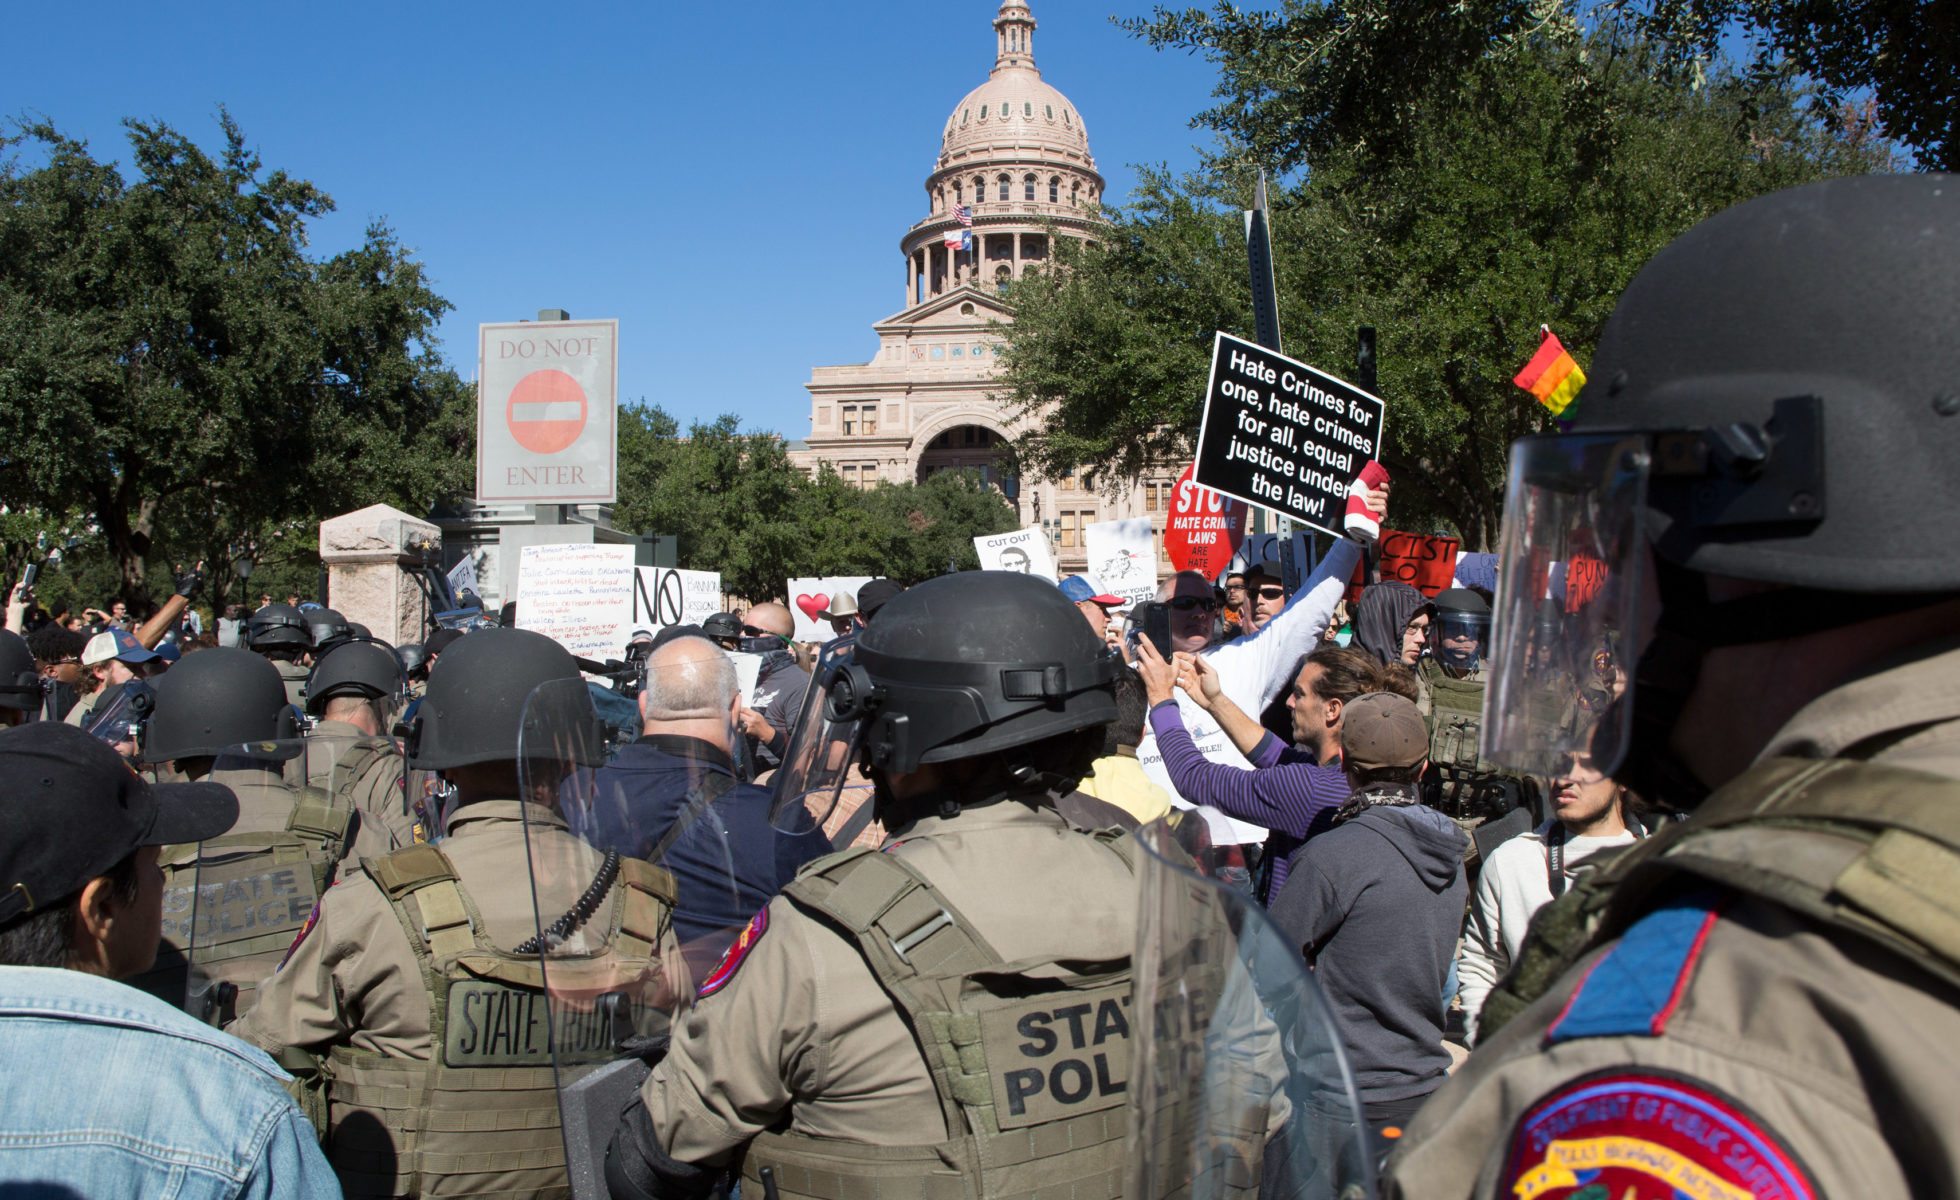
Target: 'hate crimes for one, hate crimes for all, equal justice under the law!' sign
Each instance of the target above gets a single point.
(545, 428)
(1279, 434)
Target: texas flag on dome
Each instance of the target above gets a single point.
(961, 238)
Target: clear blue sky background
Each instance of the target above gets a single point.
(729, 180)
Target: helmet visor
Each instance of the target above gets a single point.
(820, 782)
(1460, 640)
(1571, 559)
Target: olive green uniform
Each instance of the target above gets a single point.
(356, 993)
(367, 772)
(795, 1033)
(294, 676)
(1765, 998)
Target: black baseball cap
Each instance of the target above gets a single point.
(439, 641)
(874, 594)
(71, 808)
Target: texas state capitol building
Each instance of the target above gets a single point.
(1015, 152)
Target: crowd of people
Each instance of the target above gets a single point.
(1635, 868)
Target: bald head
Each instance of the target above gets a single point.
(774, 617)
(688, 679)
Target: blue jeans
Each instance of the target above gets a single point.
(108, 1092)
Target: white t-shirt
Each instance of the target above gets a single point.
(1516, 882)
(1254, 669)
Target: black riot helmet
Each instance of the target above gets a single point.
(410, 656)
(366, 669)
(327, 628)
(20, 676)
(476, 705)
(1460, 637)
(216, 699)
(1776, 398)
(278, 627)
(976, 663)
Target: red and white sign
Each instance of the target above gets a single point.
(1425, 563)
(1204, 528)
(545, 430)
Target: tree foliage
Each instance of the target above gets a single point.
(1462, 187)
(177, 369)
(739, 506)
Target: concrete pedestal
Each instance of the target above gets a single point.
(369, 555)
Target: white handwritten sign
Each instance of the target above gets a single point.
(1024, 550)
(579, 595)
(663, 596)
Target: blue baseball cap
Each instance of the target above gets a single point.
(115, 643)
(1080, 587)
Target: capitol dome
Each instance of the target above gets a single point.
(1015, 157)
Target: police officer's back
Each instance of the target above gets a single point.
(413, 998)
(1763, 999)
(951, 1011)
(281, 634)
(352, 695)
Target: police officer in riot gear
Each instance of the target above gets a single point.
(327, 628)
(1754, 507)
(871, 1023)
(412, 1007)
(281, 634)
(221, 715)
(352, 696)
(1461, 781)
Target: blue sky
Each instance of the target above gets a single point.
(729, 180)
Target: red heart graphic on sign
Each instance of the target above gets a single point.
(812, 605)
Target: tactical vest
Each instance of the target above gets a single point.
(1031, 1073)
(1464, 784)
(352, 769)
(480, 1117)
(1882, 849)
(254, 893)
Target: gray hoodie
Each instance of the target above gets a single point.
(1376, 904)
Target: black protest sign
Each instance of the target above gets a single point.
(1282, 435)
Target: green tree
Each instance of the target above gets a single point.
(176, 367)
(1524, 186)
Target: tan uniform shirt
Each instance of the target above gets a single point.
(353, 979)
(803, 1025)
(376, 791)
(293, 675)
(1793, 1059)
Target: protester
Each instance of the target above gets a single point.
(1391, 622)
(115, 658)
(107, 1091)
(1375, 904)
(58, 652)
(1290, 791)
(1265, 594)
(841, 614)
(1528, 871)
(780, 683)
(1116, 778)
(874, 595)
(1091, 601)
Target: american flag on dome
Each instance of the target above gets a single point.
(963, 215)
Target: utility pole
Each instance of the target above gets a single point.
(1265, 296)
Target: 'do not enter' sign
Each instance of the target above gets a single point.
(545, 411)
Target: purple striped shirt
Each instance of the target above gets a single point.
(1286, 791)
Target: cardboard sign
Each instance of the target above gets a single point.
(1426, 563)
(808, 597)
(462, 577)
(579, 595)
(1278, 433)
(545, 407)
(1204, 528)
(663, 596)
(1123, 558)
(1024, 550)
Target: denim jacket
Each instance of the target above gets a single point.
(108, 1092)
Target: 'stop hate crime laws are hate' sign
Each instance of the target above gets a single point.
(545, 430)
(1282, 435)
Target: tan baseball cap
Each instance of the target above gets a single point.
(1382, 729)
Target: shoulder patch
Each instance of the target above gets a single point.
(733, 957)
(1635, 987)
(1646, 1136)
(312, 919)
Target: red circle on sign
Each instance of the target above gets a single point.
(540, 411)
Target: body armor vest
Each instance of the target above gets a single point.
(481, 1116)
(1463, 783)
(1031, 1071)
(253, 895)
(1881, 848)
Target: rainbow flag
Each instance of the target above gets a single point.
(1552, 375)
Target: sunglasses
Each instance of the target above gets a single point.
(1272, 593)
(752, 631)
(1187, 603)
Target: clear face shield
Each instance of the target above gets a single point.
(820, 783)
(1569, 607)
(1238, 1085)
(1460, 640)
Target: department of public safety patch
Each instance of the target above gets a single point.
(731, 959)
(1628, 1136)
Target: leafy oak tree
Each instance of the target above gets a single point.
(175, 367)
(1454, 187)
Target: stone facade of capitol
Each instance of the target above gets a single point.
(1015, 154)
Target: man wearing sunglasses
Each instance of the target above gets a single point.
(1256, 667)
(779, 684)
(1265, 595)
